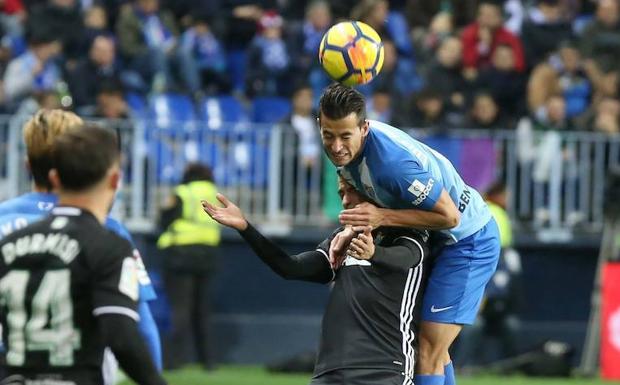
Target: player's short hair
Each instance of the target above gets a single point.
(39, 134)
(83, 157)
(339, 101)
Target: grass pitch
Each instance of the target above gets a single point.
(244, 375)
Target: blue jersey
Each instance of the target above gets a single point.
(398, 172)
(18, 212)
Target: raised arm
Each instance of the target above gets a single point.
(443, 215)
(312, 266)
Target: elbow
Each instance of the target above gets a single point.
(452, 220)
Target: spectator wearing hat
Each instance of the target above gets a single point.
(269, 62)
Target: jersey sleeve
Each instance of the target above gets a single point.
(147, 292)
(115, 286)
(415, 187)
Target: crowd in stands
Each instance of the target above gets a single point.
(448, 63)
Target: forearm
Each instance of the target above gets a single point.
(309, 266)
(399, 257)
(121, 334)
(414, 218)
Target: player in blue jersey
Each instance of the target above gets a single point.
(39, 134)
(413, 185)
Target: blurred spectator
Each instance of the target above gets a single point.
(445, 75)
(563, 73)
(89, 74)
(203, 59)
(303, 121)
(427, 40)
(12, 17)
(111, 103)
(306, 36)
(544, 28)
(429, 110)
(190, 246)
(95, 23)
(388, 24)
(420, 13)
(485, 113)
(35, 70)
(269, 63)
(242, 18)
(600, 40)
(504, 82)
(539, 145)
(147, 40)
(61, 19)
(379, 105)
(481, 38)
(604, 116)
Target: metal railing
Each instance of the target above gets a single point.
(558, 185)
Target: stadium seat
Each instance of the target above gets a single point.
(270, 109)
(172, 137)
(222, 109)
(136, 103)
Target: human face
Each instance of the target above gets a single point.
(489, 16)
(343, 138)
(348, 195)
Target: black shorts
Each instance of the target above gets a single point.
(361, 377)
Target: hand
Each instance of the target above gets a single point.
(229, 215)
(364, 214)
(338, 247)
(362, 247)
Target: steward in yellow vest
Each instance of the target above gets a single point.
(189, 245)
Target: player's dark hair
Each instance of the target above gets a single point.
(83, 157)
(339, 101)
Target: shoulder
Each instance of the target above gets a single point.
(118, 228)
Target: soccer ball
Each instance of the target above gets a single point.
(351, 53)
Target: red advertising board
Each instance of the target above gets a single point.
(610, 330)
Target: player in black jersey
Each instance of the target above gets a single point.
(369, 326)
(68, 286)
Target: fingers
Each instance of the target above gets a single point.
(209, 208)
(353, 219)
(223, 200)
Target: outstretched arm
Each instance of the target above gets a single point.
(443, 215)
(310, 266)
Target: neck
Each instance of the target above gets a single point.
(40, 189)
(92, 202)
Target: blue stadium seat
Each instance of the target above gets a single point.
(222, 109)
(136, 103)
(270, 109)
(172, 136)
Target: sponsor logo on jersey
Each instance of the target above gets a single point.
(420, 191)
(128, 283)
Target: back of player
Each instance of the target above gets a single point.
(55, 277)
(68, 286)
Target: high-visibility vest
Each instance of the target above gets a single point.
(194, 227)
(503, 223)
